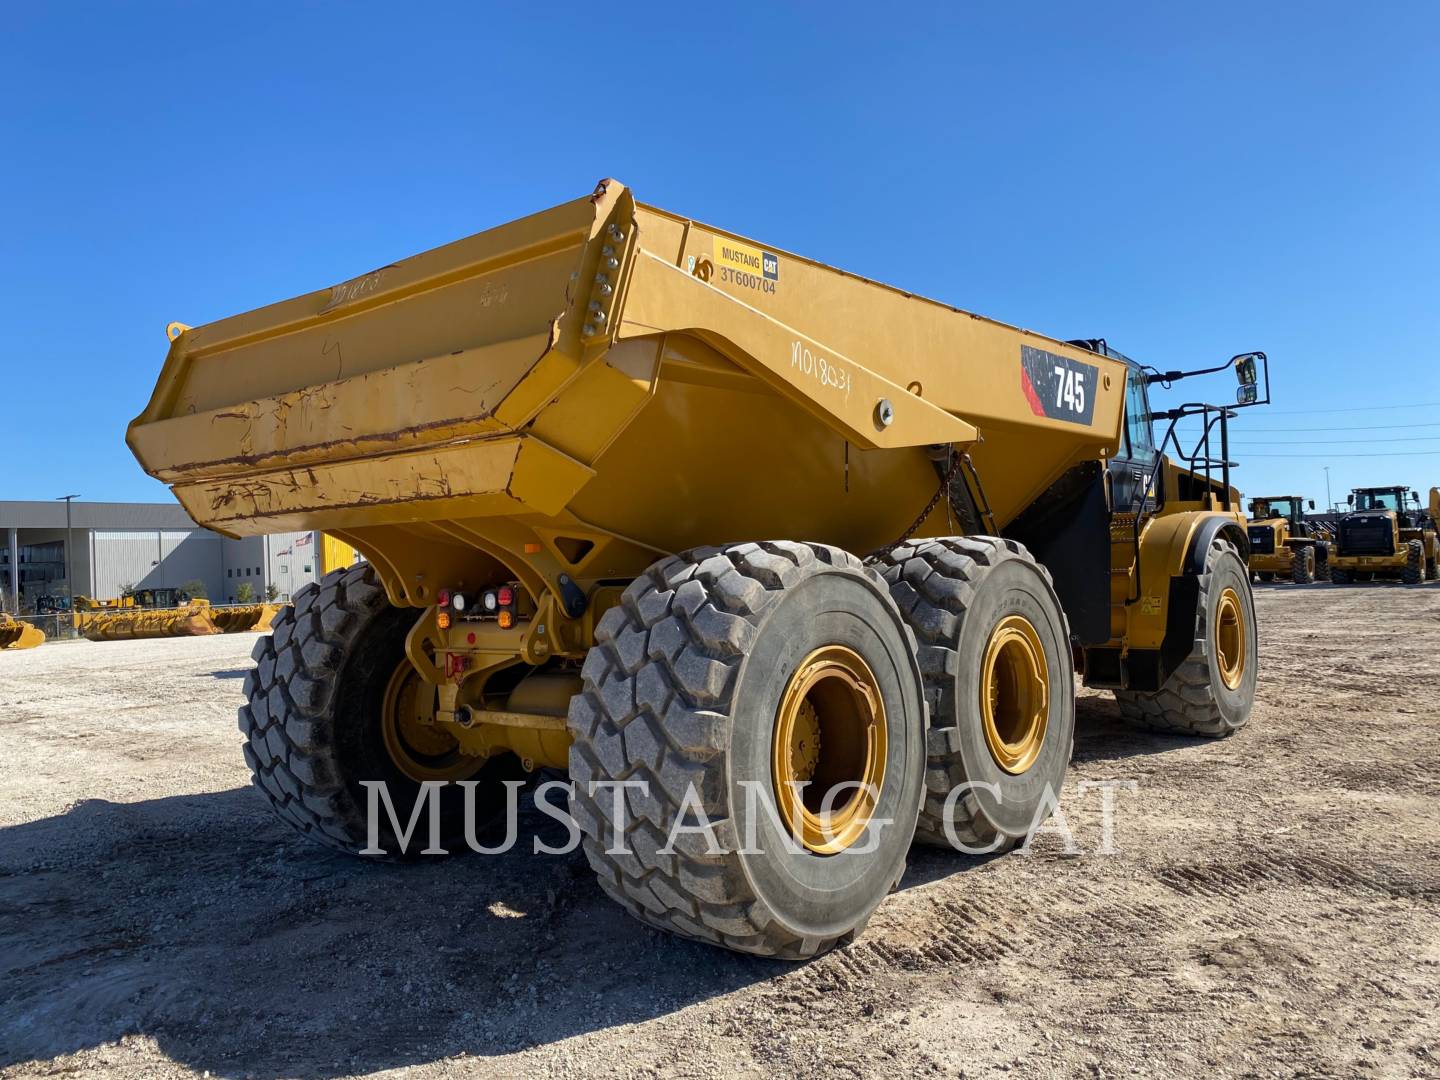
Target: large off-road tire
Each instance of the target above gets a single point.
(1322, 562)
(692, 679)
(314, 729)
(1302, 565)
(1213, 689)
(1432, 570)
(1266, 575)
(1339, 576)
(1414, 570)
(962, 596)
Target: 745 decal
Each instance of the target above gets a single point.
(1057, 386)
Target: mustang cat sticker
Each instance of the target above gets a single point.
(747, 266)
(1058, 387)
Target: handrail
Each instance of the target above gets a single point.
(1195, 459)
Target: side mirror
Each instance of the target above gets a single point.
(1312, 504)
(1350, 498)
(1245, 369)
(1247, 394)
(1415, 497)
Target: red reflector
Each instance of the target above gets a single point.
(507, 596)
(470, 639)
(443, 598)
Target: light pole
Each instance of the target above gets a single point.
(69, 549)
(1329, 503)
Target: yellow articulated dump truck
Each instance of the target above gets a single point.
(1283, 544)
(1386, 534)
(805, 562)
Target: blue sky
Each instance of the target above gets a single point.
(1188, 182)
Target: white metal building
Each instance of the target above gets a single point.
(115, 546)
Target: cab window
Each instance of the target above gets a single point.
(1377, 500)
(1137, 416)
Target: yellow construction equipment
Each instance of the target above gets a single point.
(1387, 535)
(1283, 544)
(18, 634)
(131, 618)
(148, 613)
(799, 557)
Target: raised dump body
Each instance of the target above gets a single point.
(688, 512)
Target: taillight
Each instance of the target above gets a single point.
(443, 598)
(506, 596)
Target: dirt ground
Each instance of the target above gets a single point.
(1272, 907)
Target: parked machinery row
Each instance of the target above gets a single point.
(1385, 535)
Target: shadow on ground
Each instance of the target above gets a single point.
(1100, 733)
(205, 923)
(200, 921)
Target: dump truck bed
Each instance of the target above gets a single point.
(501, 375)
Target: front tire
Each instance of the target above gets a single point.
(1213, 690)
(727, 672)
(1322, 562)
(1414, 571)
(1000, 680)
(1302, 565)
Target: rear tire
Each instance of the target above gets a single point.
(1338, 576)
(1414, 572)
(958, 593)
(313, 728)
(686, 688)
(1322, 562)
(1212, 692)
(1302, 565)
(1267, 575)
(1432, 570)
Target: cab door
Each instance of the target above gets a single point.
(1132, 467)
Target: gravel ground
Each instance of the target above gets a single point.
(1272, 906)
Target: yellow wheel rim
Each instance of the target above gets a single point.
(830, 730)
(1230, 638)
(419, 747)
(1014, 694)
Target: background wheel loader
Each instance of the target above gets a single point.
(730, 535)
(1283, 545)
(1386, 534)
